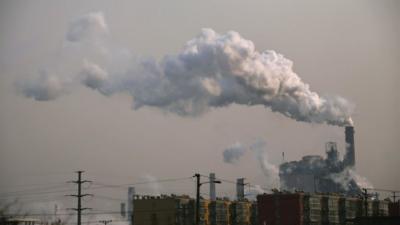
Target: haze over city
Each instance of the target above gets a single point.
(134, 92)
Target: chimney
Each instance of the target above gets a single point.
(131, 195)
(349, 157)
(213, 196)
(240, 189)
(123, 210)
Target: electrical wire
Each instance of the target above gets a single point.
(33, 190)
(102, 185)
(383, 190)
(234, 182)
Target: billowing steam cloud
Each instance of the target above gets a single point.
(212, 70)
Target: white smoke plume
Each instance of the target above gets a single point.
(361, 181)
(233, 153)
(44, 88)
(347, 176)
(253, 191)
(270, 171)
(153, 185)
(93, 76)
(51, 211)
(88, 27)
(212, 70)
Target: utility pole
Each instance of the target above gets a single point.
(105, 222)
(365, 194)
(197, 198)
(394, 196)
(198, 185)
(79, 208)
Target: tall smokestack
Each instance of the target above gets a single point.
(123, 209)
(213, 195)
(131, 195)
(349, 158)
(240, 189)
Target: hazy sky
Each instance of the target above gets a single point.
(345, 48)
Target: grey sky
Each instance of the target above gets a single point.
(345, 48)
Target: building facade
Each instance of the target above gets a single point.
(180, 210)
(316, 209)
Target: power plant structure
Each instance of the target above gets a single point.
(313, 173)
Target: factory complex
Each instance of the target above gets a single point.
(314, 173)
(308, 195)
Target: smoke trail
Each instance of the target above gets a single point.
(348, 177)
(233, 153)
(270, 171)
(212, 70)
(46, 87)
(47, 211)
(253, 191)
(153, 184)
(88, 27)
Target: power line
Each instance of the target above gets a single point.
(87, 214)
(383, 190)
(102, 185)
(108, 198)
(29, 185)
(234, 182)
(42, 191)
(36, 193)
(33, 190)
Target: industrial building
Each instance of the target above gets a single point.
(316, 209)
(180, 210)
(281, 208)
(394, 208)
(314, 173)
(163, 210)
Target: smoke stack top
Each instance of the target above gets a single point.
(212, 70)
